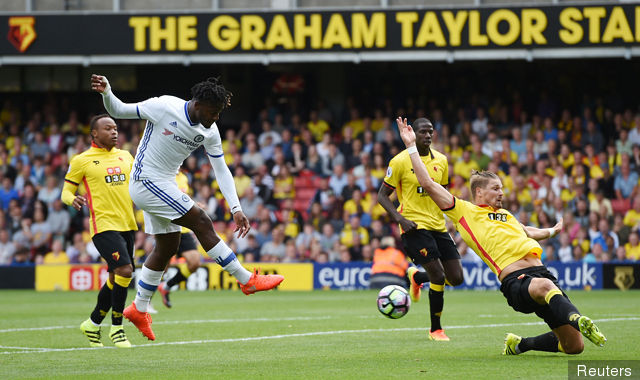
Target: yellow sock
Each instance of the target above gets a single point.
(550, 295)
(109, 284)
(185, 271)
(122, 281)
(436, 287)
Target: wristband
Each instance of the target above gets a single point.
(552, 232)
(235, 209)
(412, 149)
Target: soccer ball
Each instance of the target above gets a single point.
(394, 301)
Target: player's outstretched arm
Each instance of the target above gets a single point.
(228, 189)
(114, 106)
(439, 194)
(542, 233)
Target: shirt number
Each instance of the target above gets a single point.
(498, 216)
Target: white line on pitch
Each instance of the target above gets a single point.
(20, 348)
(179, 322)
(33, 350)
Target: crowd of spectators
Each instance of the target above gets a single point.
(308, 180)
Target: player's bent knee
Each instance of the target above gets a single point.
(574, 348)
(539, 287)
(437, 279)
(193, 260)
(455, 280)
(124, 271)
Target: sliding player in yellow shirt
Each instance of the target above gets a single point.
(103, 171)
(512, 252)
(424, 235)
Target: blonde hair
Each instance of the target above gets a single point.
(480, 180)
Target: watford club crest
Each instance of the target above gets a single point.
(116, 256)
(624, 278)
(21, 32)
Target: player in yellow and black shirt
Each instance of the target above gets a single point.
(512, 252)
(102, 174)
(188, 249)
(422, 224)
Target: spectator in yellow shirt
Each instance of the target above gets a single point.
(632, 217)
(464, 167)
(357, 205)
(57, 255)
(241, 180)
(632, 248)
(353, 233)
(317, 126)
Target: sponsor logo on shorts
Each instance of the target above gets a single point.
(185, 198)
(116, 255)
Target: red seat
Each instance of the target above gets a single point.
(299, 182)
(305, 193)
(301, 205)
(620, 206)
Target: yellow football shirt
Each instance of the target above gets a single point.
(463, 169)
(494, 234)
(632, 252)
(318, 129)
(415, 204)
(631, 218)
(104, 176)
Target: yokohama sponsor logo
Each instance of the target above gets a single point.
(186, 142)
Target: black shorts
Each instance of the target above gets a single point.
(187, 243)
(515, 288)
(424, 246)
(116, 247)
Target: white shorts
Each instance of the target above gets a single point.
(161, 202)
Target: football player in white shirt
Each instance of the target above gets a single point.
(174, 129)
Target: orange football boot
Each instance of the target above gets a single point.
(260, 282)
(438, 335)
(141, 320)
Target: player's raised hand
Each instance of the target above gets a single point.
(558, 227)
(242, 224)
(99, 83)
(406, 132)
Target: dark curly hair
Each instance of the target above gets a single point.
(212, 91)
(94, 120)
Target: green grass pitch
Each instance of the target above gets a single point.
(299, 335)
